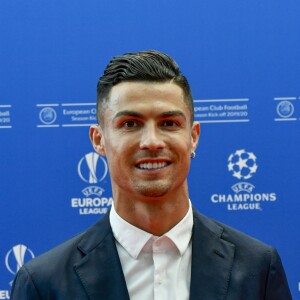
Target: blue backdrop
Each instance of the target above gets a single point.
(242, 61)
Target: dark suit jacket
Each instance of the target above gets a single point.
(226, 264)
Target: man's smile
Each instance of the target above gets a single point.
(153, 165)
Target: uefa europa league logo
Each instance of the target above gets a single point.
(16, 257)
(92, 168)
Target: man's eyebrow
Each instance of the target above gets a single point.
(173, 113)
(166, 114)
(127, 113)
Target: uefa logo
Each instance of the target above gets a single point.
(16, 257)
(285, 109)
(242, 164)
(92, 168)
(47, 115)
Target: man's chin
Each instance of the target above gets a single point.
(153, 192)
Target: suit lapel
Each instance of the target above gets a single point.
(101, 274)
(212, 260)
(100, 269)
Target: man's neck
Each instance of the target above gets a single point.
(156, 217)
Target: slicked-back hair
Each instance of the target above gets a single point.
(147, 66)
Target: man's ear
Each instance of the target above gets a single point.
(195, 135)
(97, 139)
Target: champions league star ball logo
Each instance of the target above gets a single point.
(242, 164)
(16, 257)
(92, 168)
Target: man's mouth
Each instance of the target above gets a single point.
(152, 165)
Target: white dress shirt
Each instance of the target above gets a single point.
(155, 268)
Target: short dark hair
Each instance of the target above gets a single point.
(148, 65)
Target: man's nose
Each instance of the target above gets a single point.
(152, 138)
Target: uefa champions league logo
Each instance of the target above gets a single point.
(92, 168)
(16, 257)
(242, 164)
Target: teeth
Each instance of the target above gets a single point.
(151, 166)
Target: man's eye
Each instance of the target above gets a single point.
(169, 123)
(130, 124)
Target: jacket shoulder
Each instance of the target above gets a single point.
(231, 235)
(66, 254)
(256, 270)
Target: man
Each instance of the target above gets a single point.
(152, 244)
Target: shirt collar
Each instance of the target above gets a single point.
(133, 239)
(181, 233)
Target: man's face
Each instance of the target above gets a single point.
(147, 139)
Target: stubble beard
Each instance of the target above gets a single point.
(152, 189)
